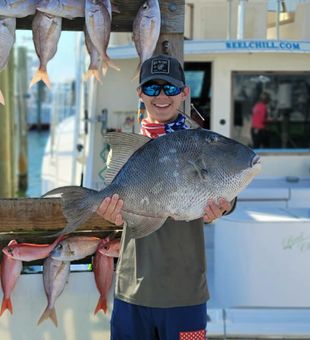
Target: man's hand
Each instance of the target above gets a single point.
(110, 209)
(215, 210)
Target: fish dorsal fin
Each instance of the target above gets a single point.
(123, 146)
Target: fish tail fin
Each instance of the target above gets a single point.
(109, 63)
(137, 72)
(92, 73)
(78, 204)
(104, 68)
(102, 304)
(40, 75)
(112, 65)
(2, 101)
(49, 313)
(6, 304)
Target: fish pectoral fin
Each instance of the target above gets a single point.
(201, 171)
(140, 226)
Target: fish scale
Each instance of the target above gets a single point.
(206, 165)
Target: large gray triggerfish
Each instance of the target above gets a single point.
(172, 176)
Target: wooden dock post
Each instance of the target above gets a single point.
(22, 89)
(7, 141)
(171, 39)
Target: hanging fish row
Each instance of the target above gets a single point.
(56, 267)
(46, 28)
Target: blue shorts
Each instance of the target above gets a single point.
(134, 322)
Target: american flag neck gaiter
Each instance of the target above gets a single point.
(154, 130)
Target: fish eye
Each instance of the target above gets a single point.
(212, 139)
(145, 6)
(59, 246)
(10, 250)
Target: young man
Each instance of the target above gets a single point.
(161, 288)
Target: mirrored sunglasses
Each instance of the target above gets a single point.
(153, 90)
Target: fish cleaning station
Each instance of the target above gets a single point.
(239, 57)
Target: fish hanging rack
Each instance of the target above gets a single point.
(33, 219)
(172, 17)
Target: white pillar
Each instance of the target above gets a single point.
(241, 19)
(229, 14)
(278, 19)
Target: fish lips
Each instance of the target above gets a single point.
(256, 163)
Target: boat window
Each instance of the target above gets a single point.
(272, 110)
(198, 78)
(194, 80)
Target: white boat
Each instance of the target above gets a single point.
(258, 257)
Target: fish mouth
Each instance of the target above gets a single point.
(256, 160)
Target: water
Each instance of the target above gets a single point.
(36, 145)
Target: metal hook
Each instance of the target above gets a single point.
(165, 46)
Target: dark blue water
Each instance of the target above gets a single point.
(36, 145)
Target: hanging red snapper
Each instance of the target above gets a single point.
(95, 60)
(29, 251)
(110, 248)
(103, 267)
(10, 272)
(171, 176)
(146, 30)
(98, 18)
(75, 248)
(46, 30)
(55, 276)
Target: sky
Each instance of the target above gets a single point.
(62, 66)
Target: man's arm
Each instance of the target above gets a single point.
(214, 210)
(110, 209)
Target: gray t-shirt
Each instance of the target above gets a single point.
(166, 268)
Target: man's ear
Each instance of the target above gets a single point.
(185, 92)
(139, 92)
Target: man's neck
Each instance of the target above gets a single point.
(155, 121)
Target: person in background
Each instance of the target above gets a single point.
(259, 132)
(161, 286)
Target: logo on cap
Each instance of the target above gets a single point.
(160, 66)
